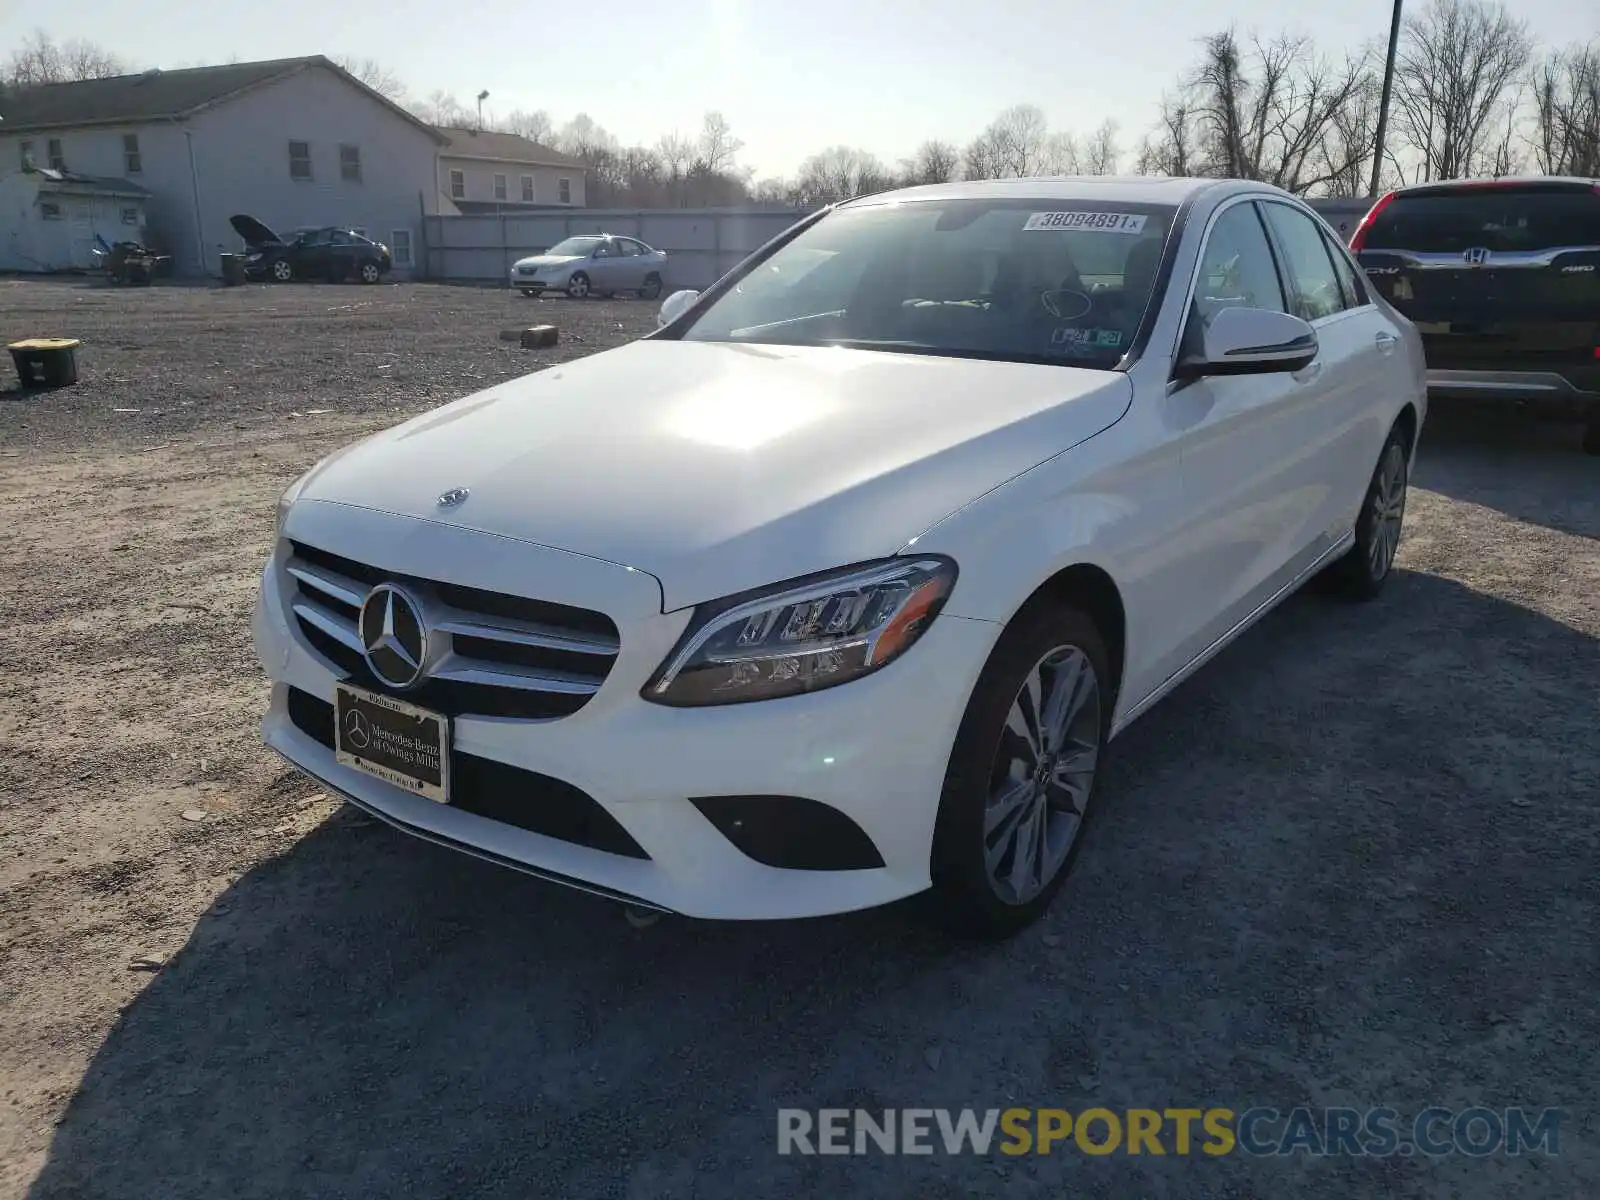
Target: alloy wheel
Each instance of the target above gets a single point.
(369, 273)
(1042, 775)
(1388, 510)
(281, 271)
(578, 286)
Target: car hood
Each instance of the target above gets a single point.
(253, 232)
(719, 467)
(549, 260)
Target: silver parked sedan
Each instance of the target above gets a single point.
(596, 262)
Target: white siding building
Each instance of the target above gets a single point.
(294, 142)
(484, 171)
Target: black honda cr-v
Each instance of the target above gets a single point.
(1502, 279)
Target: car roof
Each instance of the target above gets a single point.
(1136, 189)
(1550, 182)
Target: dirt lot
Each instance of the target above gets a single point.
(1352, 863)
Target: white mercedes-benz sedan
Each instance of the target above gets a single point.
(834, 589)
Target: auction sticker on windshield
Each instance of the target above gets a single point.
(1102, 222)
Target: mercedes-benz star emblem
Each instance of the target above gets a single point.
(357, 730)
(393, 638)
(454, 497)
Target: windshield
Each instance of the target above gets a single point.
(1060, 281)
(574, 247)
(1498, 219)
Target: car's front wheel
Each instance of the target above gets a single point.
(651, 288)
(371, 272)
(578, 286)
(282, 271)
(1022, 771)
(1361, 574)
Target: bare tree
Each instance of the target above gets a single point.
(1016, 144)
(1344, 152)
(41, 60)
(1101, 153)
(443, 109)
(1454, 73)
(1566, 102)
(1171, 149)
(375, 75)
(838, 173)
(1265, 113)
(718, 147)
(934, 162)
(536, 126)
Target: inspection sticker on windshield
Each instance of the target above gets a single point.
(1101, 222)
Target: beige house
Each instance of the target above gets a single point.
(484, 171)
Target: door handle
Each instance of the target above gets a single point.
(1386, 342)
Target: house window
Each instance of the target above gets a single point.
(58, 160)
(25, 154)
(130, 216)
(299, 160)
(499, 187)
(564, 190)
(527, 189)
(458, 185)
(400, 247)
(350, 164)
(50, 212)
(132, 164)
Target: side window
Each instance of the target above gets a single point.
(1315, 291)
(1355, 292)
(604, 250)
(1236, 267)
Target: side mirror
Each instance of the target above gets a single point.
(1250, 341)
(674, 306)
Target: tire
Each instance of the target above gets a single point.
(282, 271)
(1362, 572)
(979, 889)
(370, 272)
(578, 286)
(651, 288)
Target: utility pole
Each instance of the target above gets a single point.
(1383, 104)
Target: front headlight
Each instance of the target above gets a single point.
(252, 258)
(286, 501)
(803, 635)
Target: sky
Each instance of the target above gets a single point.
(791, 76)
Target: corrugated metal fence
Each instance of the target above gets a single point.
(702, 244)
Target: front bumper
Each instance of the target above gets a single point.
(875, 750)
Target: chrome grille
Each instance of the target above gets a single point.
(502, 655)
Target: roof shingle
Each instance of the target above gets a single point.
(507, 147)
(148, 96)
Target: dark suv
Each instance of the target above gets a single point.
(1502, 279)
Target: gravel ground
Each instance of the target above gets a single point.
(1353, 862)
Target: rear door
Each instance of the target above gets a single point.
(1501, 276)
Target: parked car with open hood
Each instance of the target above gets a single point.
(591, 263)
(834, 589)
(329, 252)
